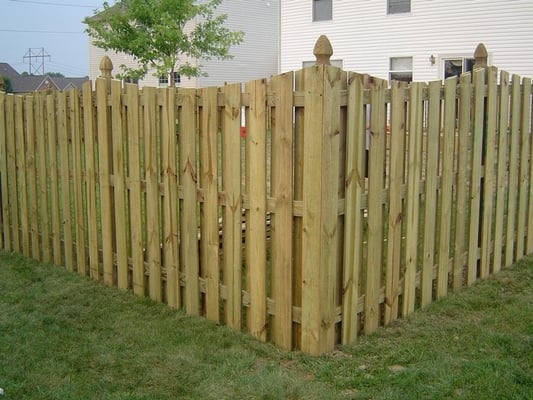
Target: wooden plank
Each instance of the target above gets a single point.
(489, 146)
(529, 239)
(376, 162)
(22, 174)
(395, 216)
(5, 240)
(523, 177)
(501, 179)
(52, 145)
(77, 182)
(461, 209)
(31, 176)
(255, 180)
(445, 224)
(510, 234)
(104, 172)
(231, 212)
(282, 220)
(320, 185)
(64, 168)
(135, 177)
(151, 170)
(119, 186)
(43, 175)
(430, 204)
(90, 179)
(188, 223)
(209, 229)
(170, 197)
(413, 197)
(12, 174)
(353, 217)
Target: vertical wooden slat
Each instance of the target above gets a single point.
(11, 155)
(119, 186)
(501, 179)
(395, 217)
(104, 171)
(256, 214)
(510, 234)
(209, 229)
(282, 221)
(353, 215)
(90, 179)
(475, 176)
(43, 175)
(320, 185)
(430, 204)
(188, 220)
(523, 177)
(52, 145)
(445, 224)
(151, 167)
(461, 208)
(529, 239)
(376, 174)
(20, 136)
(63, 139)
(135, 177)
(170, 197)
(5, 240)
(79, 208)
(489, 174)
(231, 212)
(31, 176)
(413, 197)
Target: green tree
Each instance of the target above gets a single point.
(8, 88)
(55, 74)
(163, 34)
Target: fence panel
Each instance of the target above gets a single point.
(5, 240)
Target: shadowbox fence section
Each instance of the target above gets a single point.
(285, 233)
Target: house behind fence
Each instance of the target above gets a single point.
(284, 233)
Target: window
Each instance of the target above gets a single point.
(131, 80)
(398, 6)
(335, 63)
(456, 66)
(164, 79)
(322, 10)
(401, 69)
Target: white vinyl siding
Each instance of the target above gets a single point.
(365, 37)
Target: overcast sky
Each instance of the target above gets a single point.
(52, 25)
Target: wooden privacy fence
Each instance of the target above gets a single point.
(284, 233)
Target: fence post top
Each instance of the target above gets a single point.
(481, 55)
(106, 66)
(323, 51)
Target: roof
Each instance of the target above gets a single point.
(25, 84)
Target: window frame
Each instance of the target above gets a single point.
(398, 7)
(400, 71)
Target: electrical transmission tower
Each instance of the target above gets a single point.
(36, 57)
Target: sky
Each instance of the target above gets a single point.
(47, 27)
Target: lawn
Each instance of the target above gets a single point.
(63, 336)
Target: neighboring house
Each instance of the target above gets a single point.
(31, 83)
(420, 40)
(255, 58)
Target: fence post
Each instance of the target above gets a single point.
(322, 85)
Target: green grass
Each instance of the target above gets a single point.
(65, 337)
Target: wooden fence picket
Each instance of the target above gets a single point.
(31, 181)
(54, 178)
(5, 240)
(41, 135)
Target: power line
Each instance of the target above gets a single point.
(46, 3)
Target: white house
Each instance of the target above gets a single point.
(256, 57)
(420, 40)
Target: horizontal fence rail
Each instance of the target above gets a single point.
(304, 209)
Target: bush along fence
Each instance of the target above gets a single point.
(288, 233)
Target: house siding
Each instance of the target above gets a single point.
(256, 57)
(364, 36)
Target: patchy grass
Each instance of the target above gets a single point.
(65, 337)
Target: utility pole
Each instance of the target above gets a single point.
(36, 57)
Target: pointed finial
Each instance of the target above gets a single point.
(106, 66)
(323, 50)
(481, 55)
